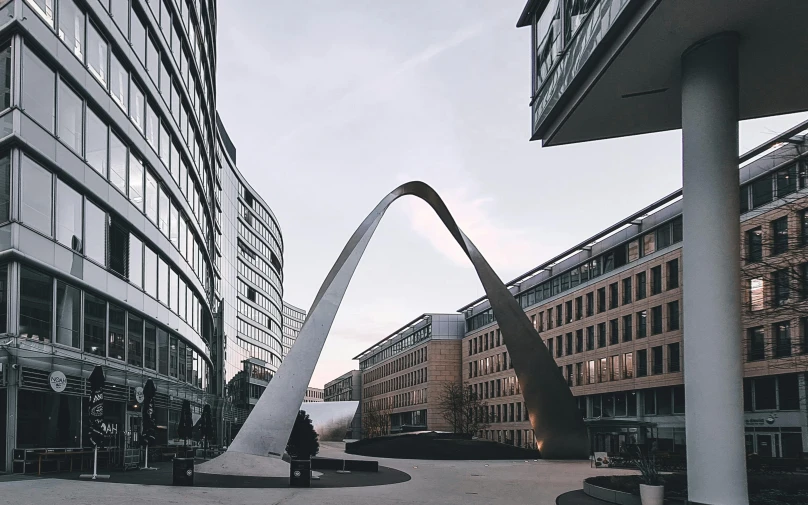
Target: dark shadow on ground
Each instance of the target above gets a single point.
(434, 445)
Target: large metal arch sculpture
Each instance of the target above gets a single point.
(559, 429)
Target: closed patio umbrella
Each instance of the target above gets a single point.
(149, 435)
(96, 414)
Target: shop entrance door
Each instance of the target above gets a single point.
(764, 445)
(131, 453)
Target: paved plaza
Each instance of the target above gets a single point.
(439, 482)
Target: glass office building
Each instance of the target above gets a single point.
(111, 221)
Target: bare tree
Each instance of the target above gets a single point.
(375, 419)
(463, 409)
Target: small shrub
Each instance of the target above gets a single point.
(303, 441)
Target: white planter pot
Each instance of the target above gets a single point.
(652, 495)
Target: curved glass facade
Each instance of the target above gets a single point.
(107, 211)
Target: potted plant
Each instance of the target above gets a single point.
(652, 488)
(302, 445)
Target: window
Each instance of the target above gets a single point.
(628, 365)
(656, 280)
(756, 342)
(5, 188)
(627, 290)
(673, 315)
(579, 308)
(164, 144)
(602, 370)
(550, 346)
(152, 127)
(36, 196)
(71, 27)
(118, 248)
(96, 143)
(38, 90)
(765, 393)
(754, 245)
(559, 349)
(641, 285)
(782, 339)
(152, 60)
(656, 320)
(627, 328)
(163, 211)
(673, 358)
(614, 332)
(117, 163)
(119, 9)
(614, 368)
(135, 181)
(117, 336)
(118, 82)
(762, 191)
(135, 258)
(673, 274)
(71, 115)
(135, 341)
(559, 317)
(97, 54)
(781, 287)
(151, 197)
(786, 181)
(68, 315)
(95, 316)
(162, 351)
(138, 37)
(804, 226)
(590, 304)
(36, 304)
(162, 280)
(601, 300)
(172, 356)
(642, 363)
(602, 335)
(150, 347)
(590, 338)
(756, 294)
(579, 341)
(591, 372)
(136, 107)
(613, 295)
(150, 272)
(780, 235)
(95, 227)
(648, 244)
(788, 392)
(69, 217)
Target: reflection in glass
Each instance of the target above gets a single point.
(135, 341)
(118, 82)
(136, 107)
(96, 143)
(5, 77)
(150, 353)
(135, 181)
(135, 267)
(68, 216)
(162, 280)
(97, 50)
(118, 248)
(95, 227)
(162, 351)
(151, 197)
(117, 163)
(172, 363)
(36, 196)
(117, 338)
(36, 304)
(95, 314)
(150, 272)
(71, 27)
(71, 110)
(151, 126)
(163, 211)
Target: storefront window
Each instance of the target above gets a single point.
(181, 362)
(150, 354)
(95, 312)
(135, 341)
(117, 337)
(172, 363)
(36, 305)
(68, 315)
(48, 420)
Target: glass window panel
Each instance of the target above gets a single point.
(173, 288)
(68, 315)
(96, 148)
(95, 227)
(182, 295)
(38, 90)
(172, 358)
(117, 163)
(118, 247)
(135, 259)
(163, 211)
(5, 76)
(71, 27)
(5, 188)
(189, 357)
(135, 181)
(135, 341)
(44, 8)
(174, 217)
(36, 196)
(119, 9)
(181, 352)
(118, 82)
(95, 315)
(162, 280)
(97, 54)
(69, 217)
(765, 393)
(136, 107)
(150, 272)
(117, 337)
(36, 304)
(151, 197)
(165, 83)
(138, 37)
(162, 351)
(175, 162)
(152, 126)
(164, 143)
(152, 60)
(150, 347)
(71, 111)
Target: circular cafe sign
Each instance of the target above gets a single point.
(58, 381)
(139, 394)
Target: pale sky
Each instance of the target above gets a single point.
(331, 105)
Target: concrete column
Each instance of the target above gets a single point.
(713, 369)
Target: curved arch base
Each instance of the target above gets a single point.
(557, 424)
